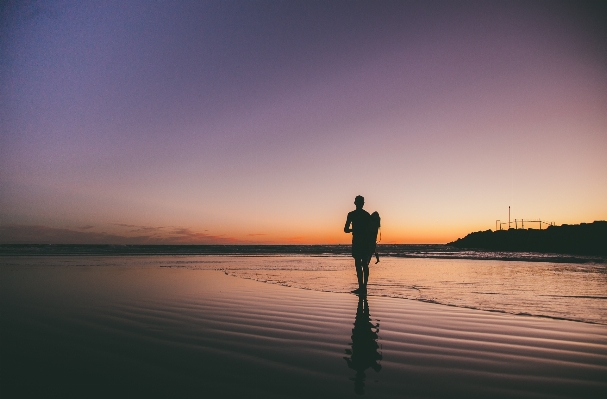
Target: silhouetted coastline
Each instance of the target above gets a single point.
(578, 239)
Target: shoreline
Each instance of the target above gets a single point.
(428, 301)
(522, 288)
(154, 330)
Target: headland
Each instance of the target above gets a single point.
(579, 239)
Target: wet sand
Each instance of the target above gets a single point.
(80, 331)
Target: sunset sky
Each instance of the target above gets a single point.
(260, 121)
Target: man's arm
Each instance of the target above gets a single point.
(347, 228)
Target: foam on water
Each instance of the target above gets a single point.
(559, 290)
(555, 290)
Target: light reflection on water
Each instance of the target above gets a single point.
(557, 290)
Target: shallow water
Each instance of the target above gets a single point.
(556, 290)
(571, 291)
(160, 326)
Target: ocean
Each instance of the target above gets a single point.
(541, 285)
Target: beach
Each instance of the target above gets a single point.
(82, 328)
(190, 192)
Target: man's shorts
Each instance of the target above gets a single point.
(361, 249)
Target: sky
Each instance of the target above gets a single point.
(221, 122)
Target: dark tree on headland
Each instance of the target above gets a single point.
(579, 239)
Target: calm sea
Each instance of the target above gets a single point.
(542, 285)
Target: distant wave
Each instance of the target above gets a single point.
(436, 251)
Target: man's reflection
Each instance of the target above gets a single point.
(364, 347)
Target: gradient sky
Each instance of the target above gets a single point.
(255, 121)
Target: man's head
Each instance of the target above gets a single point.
(359, 201)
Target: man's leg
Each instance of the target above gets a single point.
(359, 262)
(366, 271)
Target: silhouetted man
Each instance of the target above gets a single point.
(361, 250)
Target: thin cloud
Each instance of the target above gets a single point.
(187, 236)
(136, 229)
(36, 234)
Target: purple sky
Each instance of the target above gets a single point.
(221, 121)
